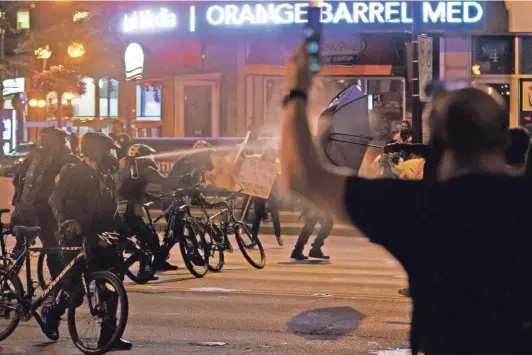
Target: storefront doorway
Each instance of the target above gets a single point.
(198, 106)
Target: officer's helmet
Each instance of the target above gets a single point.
(96, 146)
(52, 137)
(143, 151)
(202, 145)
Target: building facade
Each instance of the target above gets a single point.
(216, 69)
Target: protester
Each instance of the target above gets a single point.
(312, 217)
(405, 135)
(260, 204)
(519, 141)
(464, 241)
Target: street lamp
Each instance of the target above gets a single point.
(76, 50)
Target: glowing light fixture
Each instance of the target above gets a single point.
(80, 15)
(33, 103)
(41, 103)
(76, 50)
(476, 69)
(68, 96)
(43, 52)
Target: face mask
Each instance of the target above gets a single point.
(110, 161)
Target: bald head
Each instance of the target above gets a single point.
(470, 121)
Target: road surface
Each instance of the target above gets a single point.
(347, 306)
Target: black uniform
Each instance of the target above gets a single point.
(87, 196)
(131, 194)
(34, 183)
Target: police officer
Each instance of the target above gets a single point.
(84, 204)
(187, 171)
(120, 137)
(34, 183)
(137, 170)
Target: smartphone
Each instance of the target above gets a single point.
(313, 36)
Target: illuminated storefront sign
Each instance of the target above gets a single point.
(134, 61)
(147, 20)
(365, 15)
(372, 12)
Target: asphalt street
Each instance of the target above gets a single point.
(347, 306)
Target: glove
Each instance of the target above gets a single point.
(71, 228)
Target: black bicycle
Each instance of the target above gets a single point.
(103, 292)
(218, 235)
(5, 254)
(183, 228)
(139, 252)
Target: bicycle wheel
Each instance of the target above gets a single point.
(194, 250)
(43, 273)
(213, 237)
(106, 304)
(11, 295)
(250, 247)
(139, 262)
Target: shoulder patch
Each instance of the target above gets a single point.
(57, 178)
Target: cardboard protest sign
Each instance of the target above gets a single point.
(257, 177)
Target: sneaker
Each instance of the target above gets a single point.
(280, 240)
(298, 255)
(318, 254)
(165, 266)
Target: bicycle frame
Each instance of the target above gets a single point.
(35, 304)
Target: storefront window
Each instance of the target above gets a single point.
(108, 97)
(525, 102)
(84, 105)
(493, 55)
(23, 19)
(149, 103)
(525, 56)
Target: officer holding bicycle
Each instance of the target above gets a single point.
(137, 170)
(84, 204)
(34, 183)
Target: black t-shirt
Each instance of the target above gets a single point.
(467, 248)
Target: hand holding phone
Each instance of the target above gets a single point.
(313, 36)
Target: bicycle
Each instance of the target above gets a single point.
(142, 251)
(101, 289)
(4, 257)
(182, 228)
(219, 241)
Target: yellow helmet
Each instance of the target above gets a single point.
(140, 150)
(202, 145)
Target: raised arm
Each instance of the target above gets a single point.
(302, 170)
